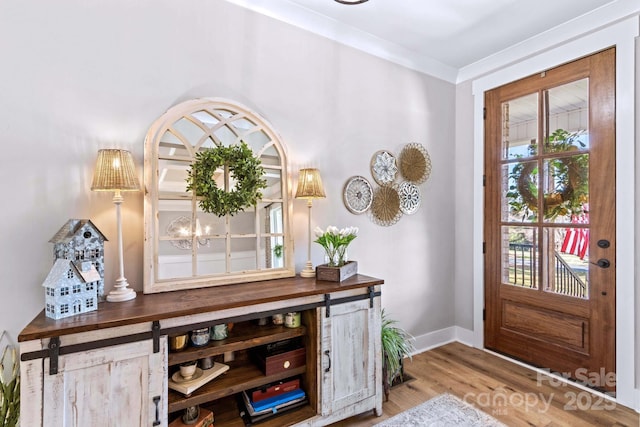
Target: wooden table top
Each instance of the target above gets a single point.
(151, 307)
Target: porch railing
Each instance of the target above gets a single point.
(567, 281)
(522, 268)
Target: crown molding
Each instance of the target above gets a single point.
(308, 20)
(571, 30)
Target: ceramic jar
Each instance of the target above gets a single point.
(292, 320)
(219, 332)
(277, 319)
(200, 337)
(178, 342)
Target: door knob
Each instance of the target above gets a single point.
(604, 263)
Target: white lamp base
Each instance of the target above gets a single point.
(308, 270)
(120, 292)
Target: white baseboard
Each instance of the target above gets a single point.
(443, 336)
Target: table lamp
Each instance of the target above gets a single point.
(115, 172)
(309, 187)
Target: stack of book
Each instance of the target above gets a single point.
(271, 400)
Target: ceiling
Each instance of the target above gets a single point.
(440, 37)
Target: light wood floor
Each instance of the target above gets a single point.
(507, 391)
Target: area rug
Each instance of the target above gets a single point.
(445, 410)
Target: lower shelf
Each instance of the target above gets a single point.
(241, 376)
(227, 414)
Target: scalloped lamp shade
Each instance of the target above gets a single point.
(114, 171)
(310, 185)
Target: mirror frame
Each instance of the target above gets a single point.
(153, 284)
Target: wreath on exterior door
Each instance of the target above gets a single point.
(570, 176)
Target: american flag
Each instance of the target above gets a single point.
(576, 240)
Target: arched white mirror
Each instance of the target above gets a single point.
(186, 247)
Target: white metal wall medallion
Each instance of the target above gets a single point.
(358, 194)
(409, 197)
(383, 167)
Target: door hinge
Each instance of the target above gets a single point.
(484, 314)
(484, 247)
(484, 180)
(484, 113)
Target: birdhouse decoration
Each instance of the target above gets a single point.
(71, 288)
(79, 240)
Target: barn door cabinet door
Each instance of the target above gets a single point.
(112, 386)
(350, 362)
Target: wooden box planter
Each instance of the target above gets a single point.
(336, 274)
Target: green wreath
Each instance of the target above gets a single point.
(245, 168)
(570, 175)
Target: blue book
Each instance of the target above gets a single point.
(272, 403)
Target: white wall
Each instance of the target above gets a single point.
(79, 75)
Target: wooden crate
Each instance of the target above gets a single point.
(336, 274)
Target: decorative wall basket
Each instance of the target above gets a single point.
(336, 274)
(415, 163)
(392, 199)
(385, 209)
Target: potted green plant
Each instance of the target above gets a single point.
(397, 344)
(9, 386)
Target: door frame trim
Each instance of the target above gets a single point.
(621, 35)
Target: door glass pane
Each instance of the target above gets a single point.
(520, 192)
(520, 256)
(566, 188)
(567, 263)
(520, 127)
(567, 117)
